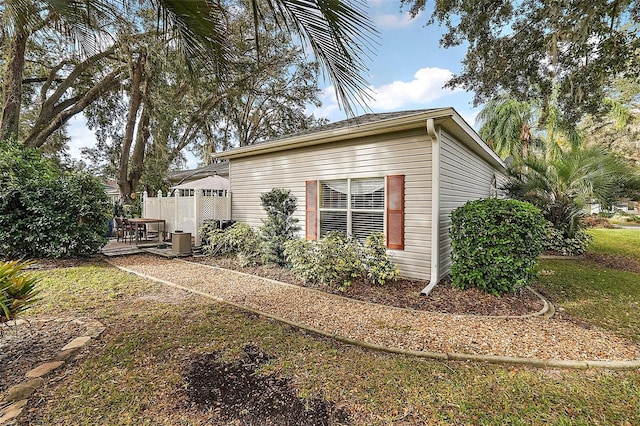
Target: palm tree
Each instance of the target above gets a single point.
(339, 32)
(514, 128)
(562, 186)
(508, 126)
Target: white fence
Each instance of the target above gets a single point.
(188, 213)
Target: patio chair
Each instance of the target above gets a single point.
(124, 230)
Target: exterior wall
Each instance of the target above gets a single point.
(464, 176)
(407, 153)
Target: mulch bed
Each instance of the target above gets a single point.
(614, 262)
(404, 293)
(239, 393)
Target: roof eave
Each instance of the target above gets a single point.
(408, 122)
(447, 117)
(462, 130)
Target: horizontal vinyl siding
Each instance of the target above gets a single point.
(464, 176)
(407, 153)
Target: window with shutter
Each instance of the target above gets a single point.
(354, 206)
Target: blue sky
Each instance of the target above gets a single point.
(407, 71)
(409, 68)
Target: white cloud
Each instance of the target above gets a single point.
(426, 87)
(80, 135)
(393, 21)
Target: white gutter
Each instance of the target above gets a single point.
(435, 205)
(411, 121)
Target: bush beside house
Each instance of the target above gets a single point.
(336, 260)
(495, 244)
(46, 211)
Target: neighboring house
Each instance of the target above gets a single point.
(183, 176)
(400, 173)
(112, 190)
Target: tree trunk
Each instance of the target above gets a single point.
(12, 89)
(142, 137)
(135, 100)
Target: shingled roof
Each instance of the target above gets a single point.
(354, 122)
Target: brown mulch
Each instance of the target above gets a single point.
(614, 262)
(404, 293)
(239, 394)
(26, 345)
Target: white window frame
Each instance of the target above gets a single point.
(349, 210)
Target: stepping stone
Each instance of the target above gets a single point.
(23, 390)
(12, 411)
(43, 369)
(78, 342)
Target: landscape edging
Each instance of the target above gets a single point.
(491, 359)
(544, 312)
(24, 390)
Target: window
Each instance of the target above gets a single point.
(354, 206)
(359, 206)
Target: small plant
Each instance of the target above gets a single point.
(240, 240)
(495, 244)
(17, 289)
(338, 262)
(555, 240)
(280, 225)
(376, 261)
(301, 256)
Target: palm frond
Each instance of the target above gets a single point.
(341, 36)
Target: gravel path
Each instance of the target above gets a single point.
(392, 327)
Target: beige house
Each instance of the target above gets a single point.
(401, 173)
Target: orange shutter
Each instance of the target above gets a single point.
(395, 212)
(312, 210)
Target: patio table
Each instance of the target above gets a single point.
(147, 221)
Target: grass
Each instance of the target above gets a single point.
(591, 293)
(133, 374)
(616, 242)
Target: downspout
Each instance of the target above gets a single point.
(435, 206)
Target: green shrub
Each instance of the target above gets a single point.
(46, 211)
(280, 225)
(337, 260)
(301, 257)
(377, 264)
(240, 240)
(556, 241)
(206, 231)
(495, 244)
(17, 289)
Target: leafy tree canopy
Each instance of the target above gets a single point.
(529, 48)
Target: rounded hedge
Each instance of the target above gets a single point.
(495, 244)
(46, 211)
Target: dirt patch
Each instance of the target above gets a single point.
(238, 392)
(614, 262)
(404, 293)
(26, 345)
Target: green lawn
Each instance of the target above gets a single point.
(134, 373)
(616, 242)
(591, 293)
